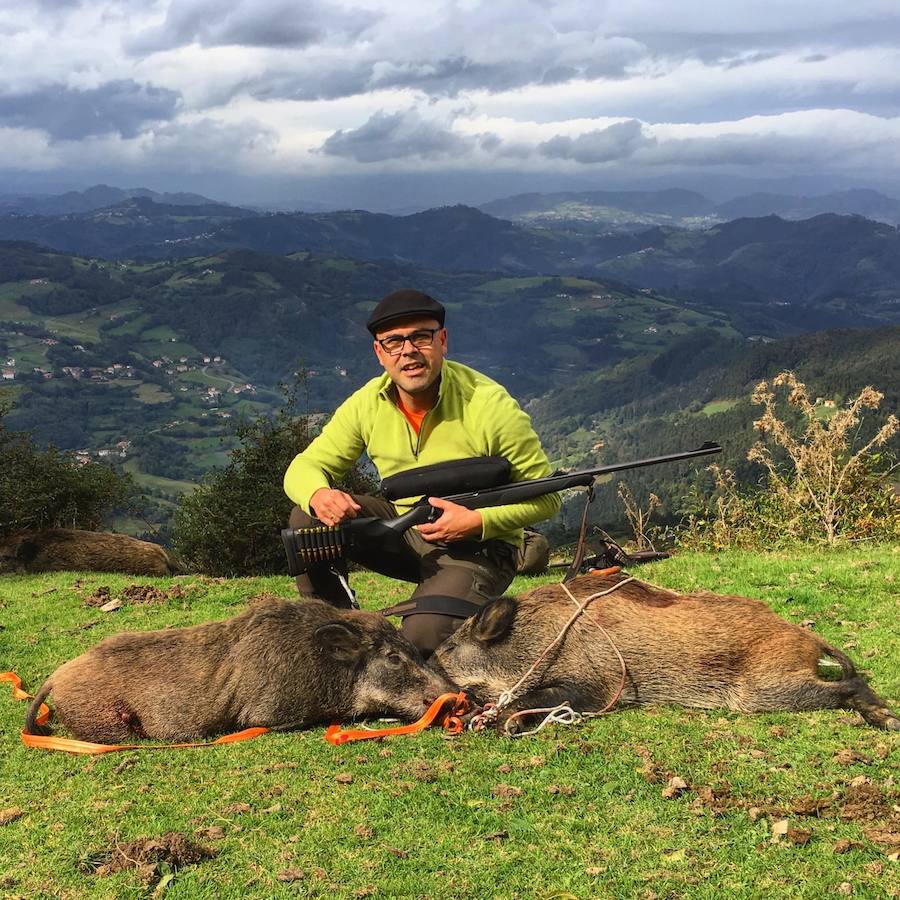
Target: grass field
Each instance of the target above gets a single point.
(779, 805)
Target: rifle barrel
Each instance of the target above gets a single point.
(537, 487)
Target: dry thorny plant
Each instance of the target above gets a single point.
(638, 518)
(823, 461)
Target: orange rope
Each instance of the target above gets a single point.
(450, 721)
(70, 745)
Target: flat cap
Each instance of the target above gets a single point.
(404, 304)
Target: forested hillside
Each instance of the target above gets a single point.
(697, 390)
(152, 364)
(775, 277)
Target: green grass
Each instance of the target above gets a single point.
(717, 406)
(170, 485)
(152, 394)
(574, 812)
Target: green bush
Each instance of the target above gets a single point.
(51, 488)
(230, 525)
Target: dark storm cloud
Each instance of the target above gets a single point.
(319, 84)
(618, 141)
(446, 76)
(118, 107)
(252, 23)
(745, 150)
(723, 47)
(399, 135)
(450, 75)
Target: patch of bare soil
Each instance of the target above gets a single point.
(100, 597)
(132, 593)
(144, 593)
(148, 856)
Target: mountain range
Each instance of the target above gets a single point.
(631, 210)
(780, 276)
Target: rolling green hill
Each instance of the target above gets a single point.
(152, 364)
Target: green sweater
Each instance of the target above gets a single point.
(473, 416)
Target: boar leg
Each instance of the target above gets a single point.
(807, 693)
(105, 723)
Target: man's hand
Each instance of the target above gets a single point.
(455, 524)
(331, 507)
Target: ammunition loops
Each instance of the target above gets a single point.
(320, 544)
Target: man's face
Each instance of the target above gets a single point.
(414, 369)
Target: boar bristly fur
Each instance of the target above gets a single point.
(71, 550)
(280, 664)
(699, 650)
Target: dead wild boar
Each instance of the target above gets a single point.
(698, 650)
(70, 550)
(280, 664)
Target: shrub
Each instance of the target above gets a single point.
(819, 486)
(231, 524)
(51, 488)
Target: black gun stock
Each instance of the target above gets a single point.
(327, 543)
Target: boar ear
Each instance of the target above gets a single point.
(494, 620)
(341, 641)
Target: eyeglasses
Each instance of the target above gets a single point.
(421, 338)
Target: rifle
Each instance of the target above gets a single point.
(327, 543)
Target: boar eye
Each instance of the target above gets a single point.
(395, 659)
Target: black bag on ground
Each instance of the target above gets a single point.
(456, 476)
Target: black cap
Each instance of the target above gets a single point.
(404, 304)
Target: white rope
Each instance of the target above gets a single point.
(562, 714)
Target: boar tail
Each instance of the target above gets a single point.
(31, 725)
(847, 668)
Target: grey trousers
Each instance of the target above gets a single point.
(468, 572)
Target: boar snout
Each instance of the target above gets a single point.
(396, 680)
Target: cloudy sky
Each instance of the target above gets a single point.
(262, 99)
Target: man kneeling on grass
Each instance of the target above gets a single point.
(424, 409)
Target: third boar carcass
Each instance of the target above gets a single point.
(699, 650)
(71, 550)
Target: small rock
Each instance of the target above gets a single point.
(674, 787)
